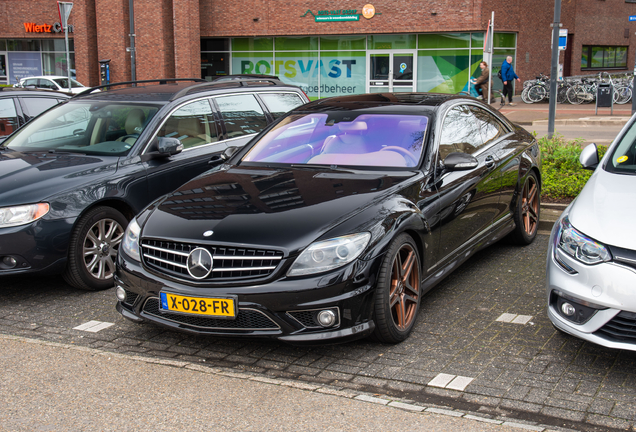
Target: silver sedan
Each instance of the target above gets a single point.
(591, 263)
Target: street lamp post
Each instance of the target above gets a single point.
(64, 9)
(555, 67)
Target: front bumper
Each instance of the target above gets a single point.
(38, 247)
(606, 293)
(280, 308)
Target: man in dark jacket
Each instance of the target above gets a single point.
(508, 75)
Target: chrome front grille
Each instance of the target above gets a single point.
(246, 319)
(229, 263)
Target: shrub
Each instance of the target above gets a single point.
(561, 172)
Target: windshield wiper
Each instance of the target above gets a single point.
(56, 151)
(325, 167)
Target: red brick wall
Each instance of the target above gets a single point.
(236, 18)
(187, 36)
(168, 31)
(112, 38)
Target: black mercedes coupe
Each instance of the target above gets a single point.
(332, 223)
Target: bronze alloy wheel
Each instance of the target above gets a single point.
(398, 292)
(530, 206)
(100, 248)
(405, 287)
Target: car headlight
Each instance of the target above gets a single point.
(130, 244)
(581, 247)
(21, 215)
(329, 254)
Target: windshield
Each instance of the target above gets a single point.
(623, 158)
(378, 140)
(99, 128)
(63, 82)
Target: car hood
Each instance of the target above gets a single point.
(285, 209)
(605, 208)
(33, 176)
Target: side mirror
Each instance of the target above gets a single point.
(220, 158)
(589, 157)
(460, 161)
(169, 146)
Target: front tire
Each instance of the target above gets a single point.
(93, 249)
(398, 292)
(527, 212)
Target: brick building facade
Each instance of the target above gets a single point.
(170, 36)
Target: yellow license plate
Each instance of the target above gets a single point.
(220, 307)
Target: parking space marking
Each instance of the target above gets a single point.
(93, 326)
(514, 318)
(441, 380)
(459, 383)
(452, 382)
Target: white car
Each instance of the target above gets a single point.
(52, 82)
(591, 263)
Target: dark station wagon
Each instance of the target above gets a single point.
(72, 178)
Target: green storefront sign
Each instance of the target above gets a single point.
(329, 18)
(341, 14)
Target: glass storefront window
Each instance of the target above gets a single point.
(444, 40)
(342, 73)
(252, 63)
(55, 63)
(621, 57)
(296, 43)
(597, 57)
(3, 45)
(214, 64)
(333, 65)
(442, 71)
(23, 45)
(252, 44)
(3, 68)
(603, 57)
(408, 41)
(57, 45)
(333, 43)
(505, 40)
(477, 40)
(215, 44)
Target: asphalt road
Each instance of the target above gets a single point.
(482, 346)
(602, 135)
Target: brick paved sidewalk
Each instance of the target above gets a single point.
(482, 343)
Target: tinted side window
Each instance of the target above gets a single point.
(31, 82)
(192, 124)
(33, 106)
(279, 103)
(242, 114)
(491, 129)
(46, 84)
(460, 133)
(8, 117)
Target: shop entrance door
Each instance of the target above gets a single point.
(391, 71)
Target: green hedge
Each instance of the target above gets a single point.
(561, 172)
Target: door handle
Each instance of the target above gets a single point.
(490, 162)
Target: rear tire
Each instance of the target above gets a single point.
(398, 292)
(527, 212)
(93, 249)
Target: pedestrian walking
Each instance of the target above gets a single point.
(481, 83)
(508, 75)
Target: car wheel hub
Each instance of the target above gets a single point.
(100, 248)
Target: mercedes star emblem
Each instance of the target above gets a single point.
(200, 263)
